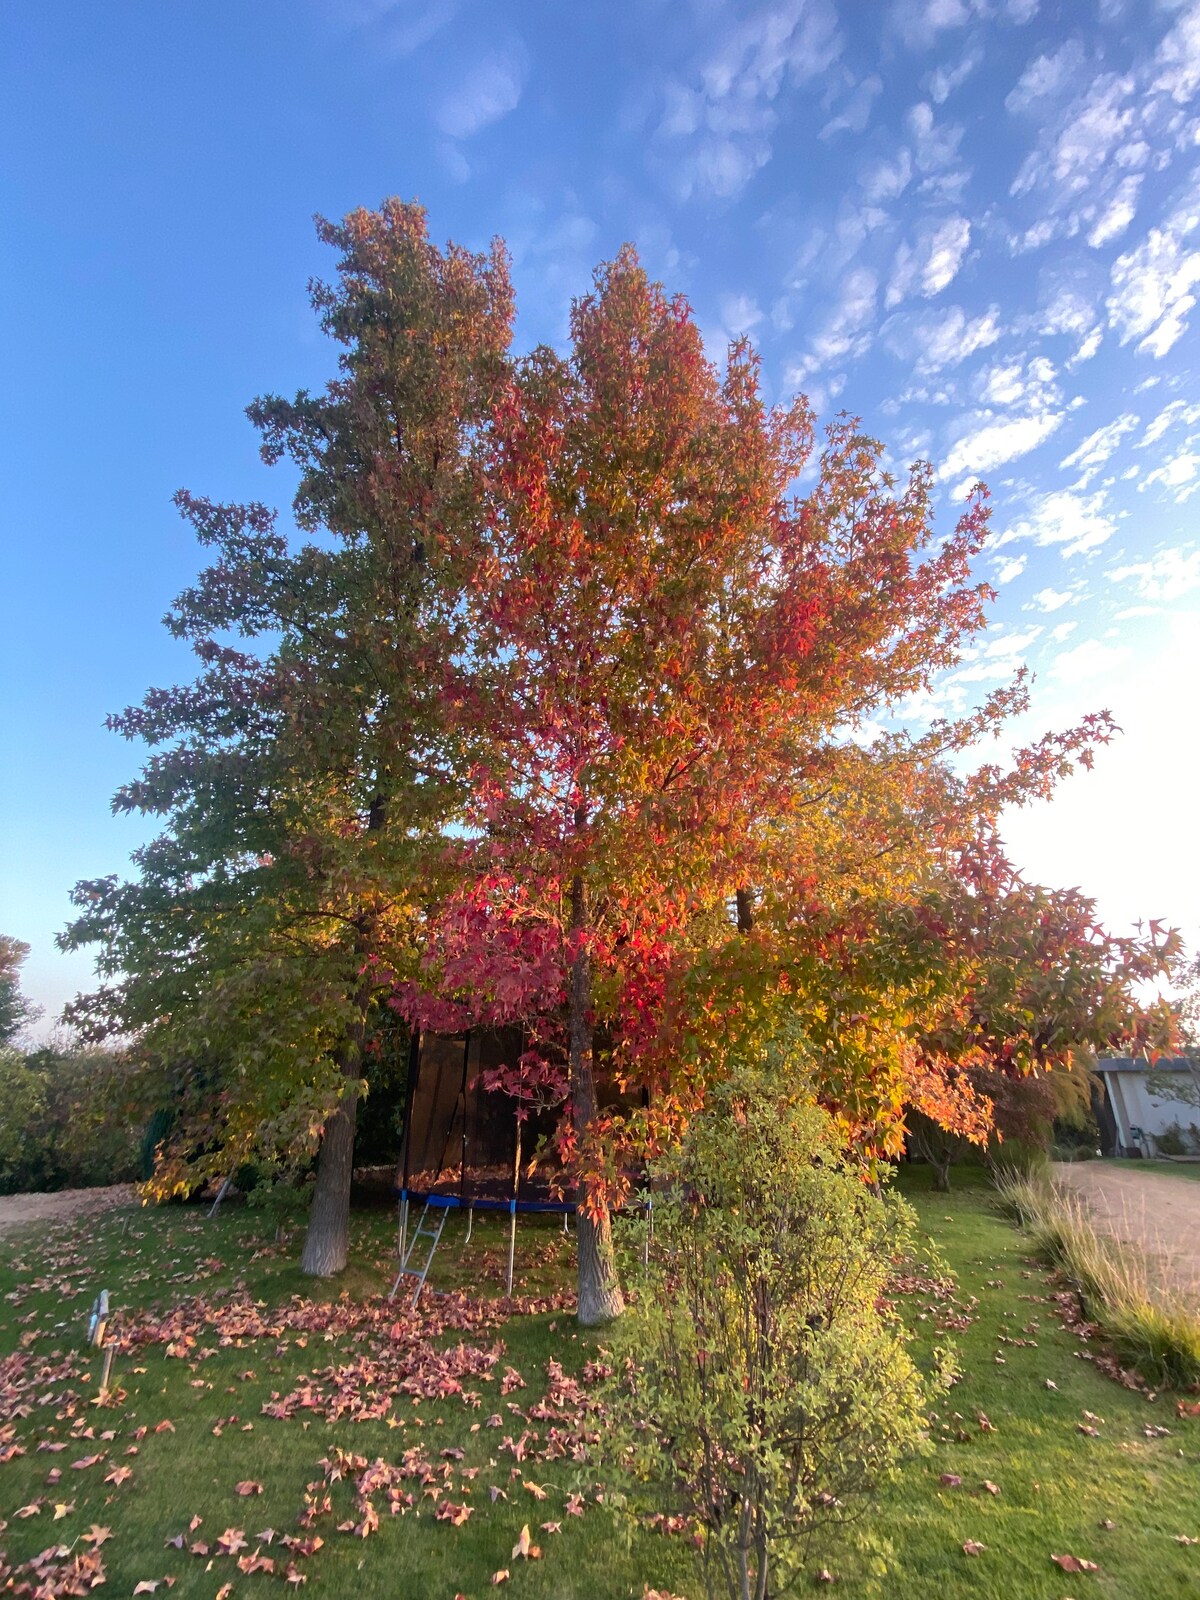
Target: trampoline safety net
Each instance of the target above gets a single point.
(460, 1138)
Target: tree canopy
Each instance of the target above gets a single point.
(578, 702)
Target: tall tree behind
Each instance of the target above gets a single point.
(664, 640)
(306, 785)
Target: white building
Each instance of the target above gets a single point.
(1135, 1114)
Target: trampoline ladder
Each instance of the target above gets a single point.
(423, 1230)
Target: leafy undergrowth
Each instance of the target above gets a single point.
(289, 1424)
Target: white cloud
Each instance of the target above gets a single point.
(932, 340)
(1091, 659)
(1099, 446)
(847, 334)
(856, 113)
(1179, 475)
(944, 80)
(1087, 349)
(1049, 600)
(931, 264)
(1076, 521)
(1119, 213)
(1045, 79)
(1001, 385)
(885, 180)
(1093, 127)
(935, 144)
(996, 443)
(1152, 287)
(1178, 58)
(399, 27)
(1167, 575)
(488, 92)
(1174, 411)
(1062, 630)
(717, 125)
(1010, 567)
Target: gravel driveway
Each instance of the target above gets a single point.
(61, 1205)
(1154, 1212)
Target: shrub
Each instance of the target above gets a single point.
(769, 1385)
(66, 1122)
(1172, 1140)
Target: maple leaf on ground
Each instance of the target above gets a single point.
(574, 1505)
(990, 1487)
(551, 1527)
(147, 1586)
(972, 1547)
(500, 1577)
(63, 1509)
(1076, 1564)
(231, 1541)
(118, 1475)
(96, 1535)
(950, 1480)
(248, 1487)
(33, 1509)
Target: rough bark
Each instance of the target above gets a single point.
(600, 1298)
(327, 1242)
(745, 910)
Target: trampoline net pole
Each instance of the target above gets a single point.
(512, 1214)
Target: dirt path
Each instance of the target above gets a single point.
(1155, 1213)
(59, 1206)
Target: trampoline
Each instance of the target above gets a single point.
(464, 1147)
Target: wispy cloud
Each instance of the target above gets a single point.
(994, 444)
(717, 120)
(1167, 575)
(1152, 286)
(1077, 522)
(488, 91)
(930, 264)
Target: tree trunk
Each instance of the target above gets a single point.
(745, 910)
(941, 1176)
(327, 1242)
(600, 1298)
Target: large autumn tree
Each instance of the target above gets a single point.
(305, 779)
(678, 611)
(556, 711)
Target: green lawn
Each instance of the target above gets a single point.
(1056, 1484)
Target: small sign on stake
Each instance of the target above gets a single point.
(97, 1338)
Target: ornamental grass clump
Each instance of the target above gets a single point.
(769, 1384)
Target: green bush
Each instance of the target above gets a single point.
(768, 1387)
(66, 1123)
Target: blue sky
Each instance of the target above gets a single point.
(975, 223)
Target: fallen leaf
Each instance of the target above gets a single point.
(950, 1480)
(992, 1488)
(972, 1547)
(1075, 1564)
(248, 1486)
(500, 1577)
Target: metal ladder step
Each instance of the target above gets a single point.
(421, 1231)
